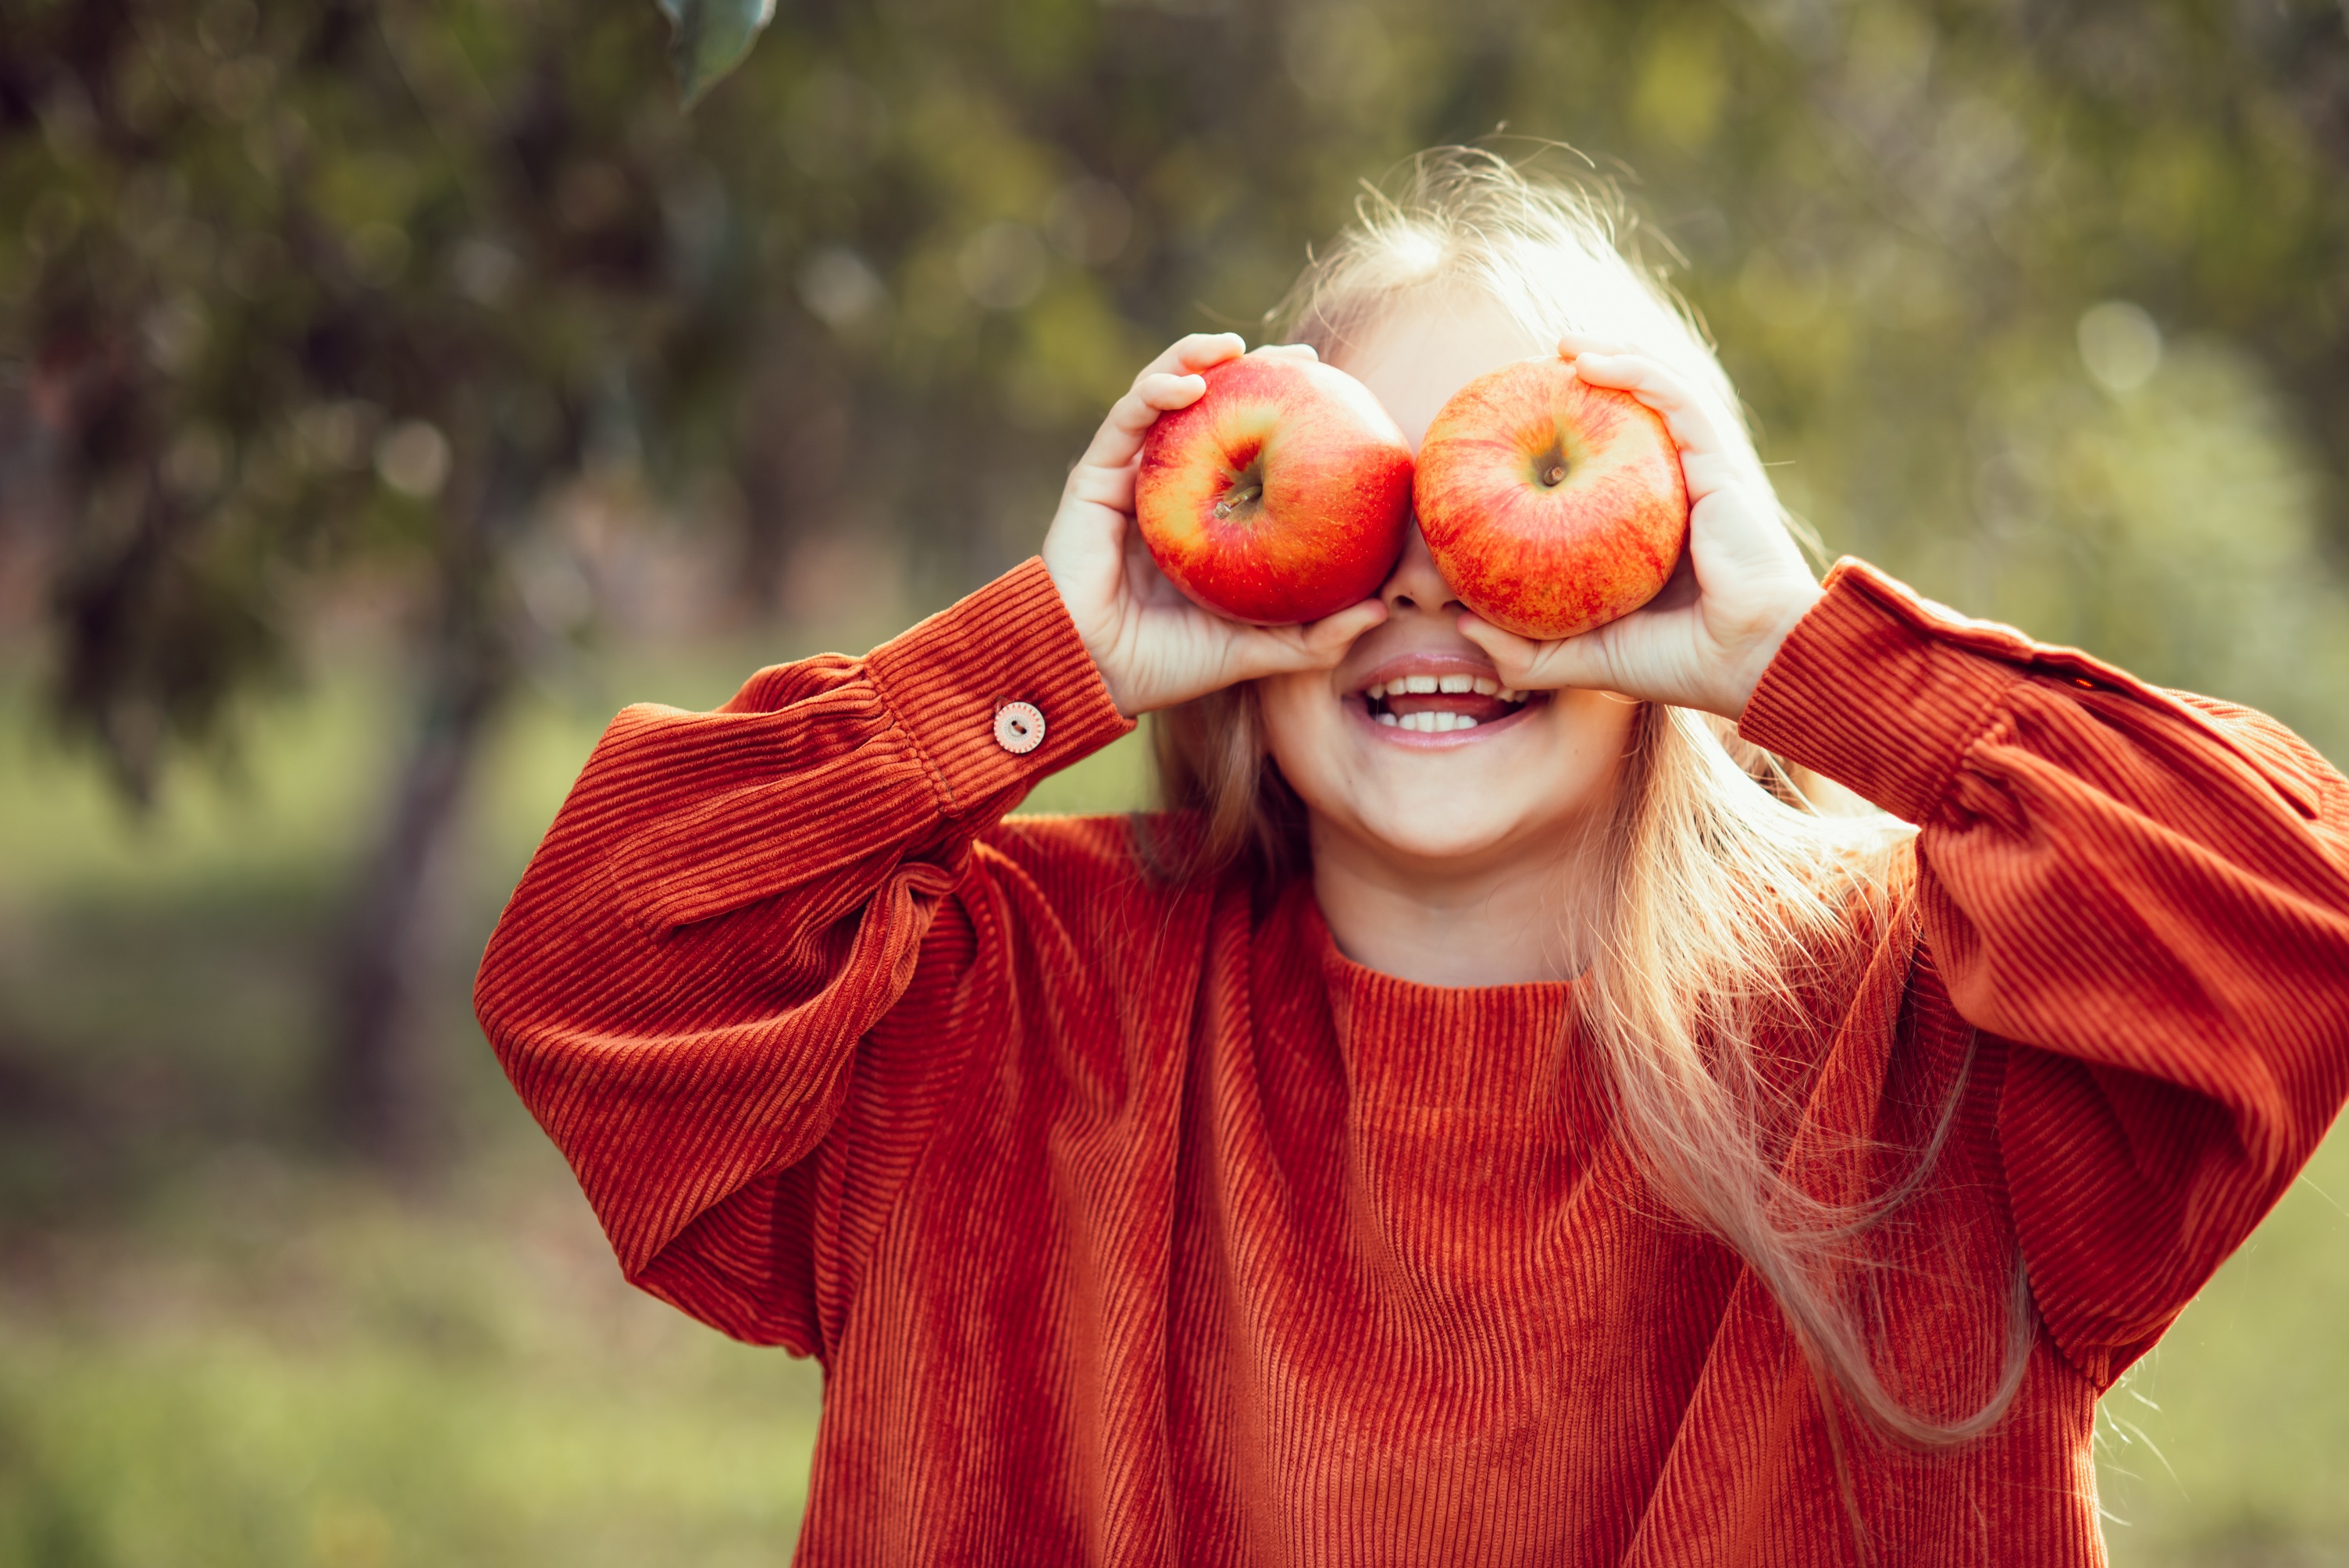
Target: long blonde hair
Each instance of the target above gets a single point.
(1729, 905)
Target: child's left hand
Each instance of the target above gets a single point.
(1705, 640)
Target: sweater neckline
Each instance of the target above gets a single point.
(1495, 1050)
(1326, 941)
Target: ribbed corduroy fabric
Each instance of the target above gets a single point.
(1134, 1224)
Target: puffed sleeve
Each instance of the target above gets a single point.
(729, 902)
(2146, 892)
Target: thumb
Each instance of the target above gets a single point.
(1530, 665)
(1315, 646)
(1327, 640)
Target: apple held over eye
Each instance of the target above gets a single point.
(1280, 496)
(1551, 506)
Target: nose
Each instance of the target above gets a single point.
(1415, 585)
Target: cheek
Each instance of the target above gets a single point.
(1594, 735)
(1303, 731)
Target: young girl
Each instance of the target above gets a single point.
(1549, 1141)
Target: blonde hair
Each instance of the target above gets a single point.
(1729, 905)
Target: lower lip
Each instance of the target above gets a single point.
(1446, 740)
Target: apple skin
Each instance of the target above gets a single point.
(1550, 558)
(1328, 521)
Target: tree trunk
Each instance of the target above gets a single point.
(384, 1099)
(382, 1093)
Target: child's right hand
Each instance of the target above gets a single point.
(1154, 648)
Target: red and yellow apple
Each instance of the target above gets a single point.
(1551, 506)
(1282, 495)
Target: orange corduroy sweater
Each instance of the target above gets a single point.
(1133, 1224)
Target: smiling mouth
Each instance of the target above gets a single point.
(1441, 704)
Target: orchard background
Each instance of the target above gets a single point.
(391, 388)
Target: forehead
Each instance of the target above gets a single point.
(1416, 354)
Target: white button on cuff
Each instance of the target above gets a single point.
(1019, 727)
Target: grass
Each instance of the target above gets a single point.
(2229, 1444)
(279, 1366)
(221, 1343)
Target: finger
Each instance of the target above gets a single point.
(1574, 344)
(1316, 646)
(1101, 484)
(1687, 415)
(1119, 440)
(1285, 351)
(1328, 638)
(1200, 351)
(1165, 393)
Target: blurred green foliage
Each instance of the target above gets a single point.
(710, 38)
(342, 280)
(388, 389)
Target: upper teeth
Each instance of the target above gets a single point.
(1422, 686)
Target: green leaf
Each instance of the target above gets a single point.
(710, 38)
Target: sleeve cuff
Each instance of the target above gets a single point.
(1883, 692)
(1012, 641)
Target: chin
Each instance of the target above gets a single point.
(1410, 836)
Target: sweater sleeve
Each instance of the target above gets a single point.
(728, 902)
(2147, 894)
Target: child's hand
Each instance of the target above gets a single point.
(1154, 647)
(1705, 640)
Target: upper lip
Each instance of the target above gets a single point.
(1438, 665)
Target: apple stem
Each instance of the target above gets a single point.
(1236, 497)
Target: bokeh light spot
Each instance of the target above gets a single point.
(2120, 345)
(412, 458)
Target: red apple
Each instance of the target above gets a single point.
(1551, 506)
(1282, 495)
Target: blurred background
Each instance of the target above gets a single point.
(390, 390)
